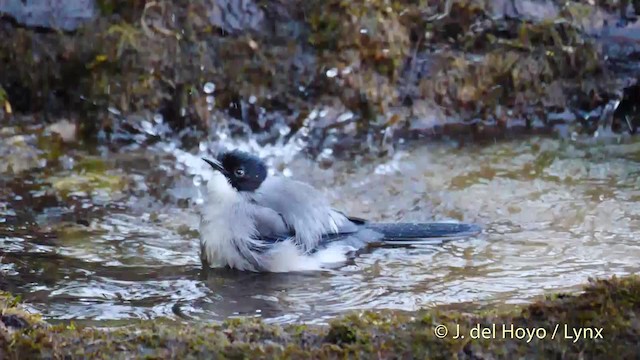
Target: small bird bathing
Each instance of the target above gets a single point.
(254, 222)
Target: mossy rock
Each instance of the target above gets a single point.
(361, 55)
(611, 306)
(87, 182)
(19, 153)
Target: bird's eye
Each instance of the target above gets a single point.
(239, 172)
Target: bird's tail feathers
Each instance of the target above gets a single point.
(422, 233)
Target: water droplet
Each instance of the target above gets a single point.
(197, 180)
(67, 162)
(113, 110)
(301, 88)
(381, 169)
(183, 111)
(209, 87)
(210, 99)
(147, 127)
(344, 117)
(169, 147)
(199, 201)
(313, 114)
(202, 146)
(252, 99)
(331, 73)
(346, 71)
(323, 113)
(287, 172)
(363, 31)
(158, 118)
(285, 130)
(574, 136)
(327, 151)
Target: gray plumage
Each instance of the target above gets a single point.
(304, 208)
(250, 221)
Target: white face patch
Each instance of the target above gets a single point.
(216, 237)
(220, 190)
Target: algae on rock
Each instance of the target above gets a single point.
(609, 305)
(377, 58)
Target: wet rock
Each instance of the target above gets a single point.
(65, 129)
(14, 321)
(608, 308)
(534, 10)
(379, 60)
(235, 16)
(426, 115)
(627, 115)
(52, 14)
(19, 153)
(592, 20)
(85, 183)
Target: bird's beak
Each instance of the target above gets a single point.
(215, 164)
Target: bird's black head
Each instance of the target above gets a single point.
(244, 171)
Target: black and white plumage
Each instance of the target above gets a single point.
(254, 222)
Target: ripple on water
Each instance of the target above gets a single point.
(555, 213)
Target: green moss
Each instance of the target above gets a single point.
(88, 181)
(4, 101)
(611, 305)
(91, 164)
(52, 147)
(13, 316)
(141, 58)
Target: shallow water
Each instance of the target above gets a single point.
(555, 213)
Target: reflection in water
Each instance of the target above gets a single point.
(554, 213)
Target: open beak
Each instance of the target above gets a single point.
(215, 165)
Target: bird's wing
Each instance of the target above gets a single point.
(303, 208)
(272, 228)
(270, 224)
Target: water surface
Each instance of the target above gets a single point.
(555, 213)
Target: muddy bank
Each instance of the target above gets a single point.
(607, 307)
(372, 70)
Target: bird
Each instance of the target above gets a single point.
(253, 221)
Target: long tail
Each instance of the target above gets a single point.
(414, 232)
